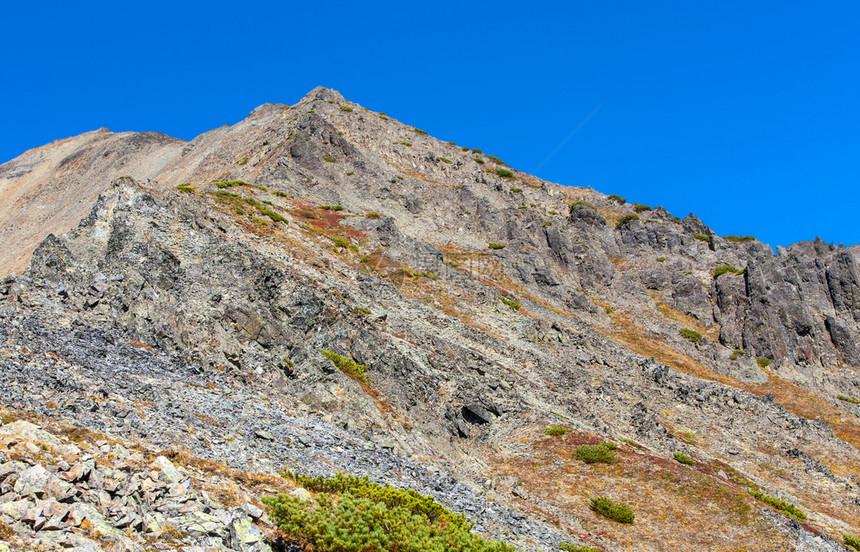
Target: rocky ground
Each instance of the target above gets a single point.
(186, 317)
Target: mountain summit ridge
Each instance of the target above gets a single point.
(477, 304)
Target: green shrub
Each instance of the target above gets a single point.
(617, 199)
(503, 172)
(280, 193)
(611, 510)
(625, 219)
(445, 160)
(350, 173)
(479, 160)
(510, 302)
(517, 190)
(230, 184)
(692, 335)
(661, 259)
(340, 242)
(639, 208)
(373, 215)
(496, 160)
(355, 523)
(567, 547)
(407, 144)
(276, 217)
(763, 362)
(733, 356)
(361, 310)
(476, 150)
(346, 108)
(592, 454)
(452, 143)
(555, 430)
(331, 207)
(243, 161)
(186, 188)
(722, 269)
(683, 458)
(419, 131)
(676, 220)
(348, 366)
(848, 399)
(739, 239)
(609, 310)
(787, 508)
(497, 246)
(851, 541)
(329, 159)
(702, 237)
(553, 213)
(584, 203)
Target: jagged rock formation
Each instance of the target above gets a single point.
(485, 303)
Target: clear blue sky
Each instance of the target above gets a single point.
(744, 113)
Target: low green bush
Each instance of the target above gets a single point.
(702, 237)
(691, 335)
(479, 160)
(592, 454)
(496, 160)
(340, 242)
(346, 108)
(785, 507)
(517, 190)
(851, 541)
(476, 150)
(583, 203)
(373, 215)
(555, 430)
(567, 547)
(407, 144)
(625, 219)
(445, 160)
(609, 310)
(612, 510)
(661, 259)
(763, 362)
(230, 184)
(331, 207)
(639, 207)
(497, 245)
(368, 517)
(848, 399)
(329, 159)
(722, 269)
(739, 239)
(682, 458)
(510, 302)
(617, 199)
(185, 188)
(348, 366)
(419, 131)
(503, 172)
(361, 310)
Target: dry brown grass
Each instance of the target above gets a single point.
(687, 321)
(676, 507)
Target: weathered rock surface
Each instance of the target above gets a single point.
(193, 320)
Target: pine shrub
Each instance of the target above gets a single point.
(612, 510)
(592, 454)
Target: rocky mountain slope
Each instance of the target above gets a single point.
(323, 288)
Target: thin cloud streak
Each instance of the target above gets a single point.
(548, 157)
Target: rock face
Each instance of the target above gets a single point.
(460, 310)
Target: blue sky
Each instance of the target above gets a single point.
(744, 113)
